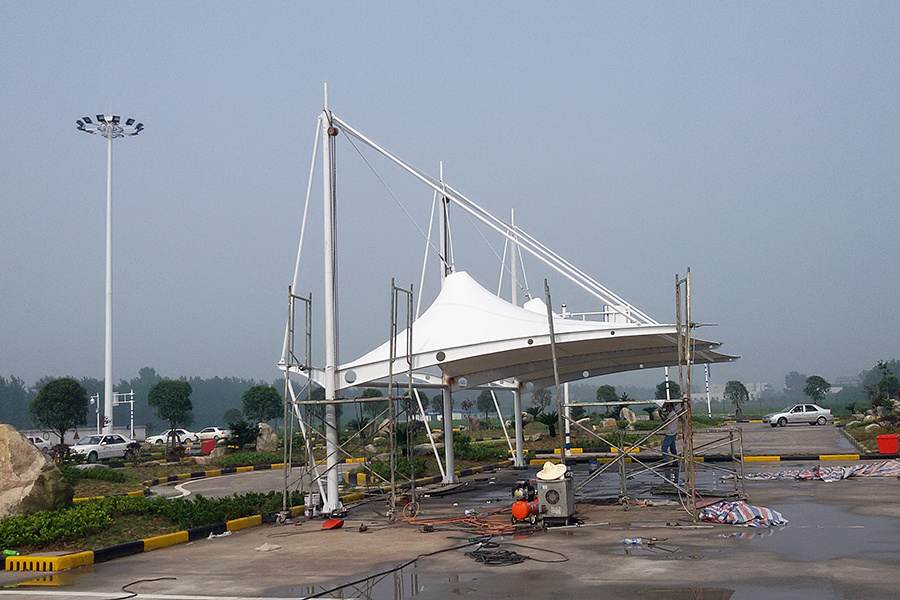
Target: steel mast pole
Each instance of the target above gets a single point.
(332, 501)
(109, 127)
(108, 370)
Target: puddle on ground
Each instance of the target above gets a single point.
(817, 532)
(50, 580)
(394, 585)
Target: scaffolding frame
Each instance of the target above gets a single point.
(292, 404)
(730, 436)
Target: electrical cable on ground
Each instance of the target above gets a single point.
(389, 571)
(134, 594)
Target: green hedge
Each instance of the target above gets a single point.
(87, 518)
(249, 459)
(73, 475)
(464, 448)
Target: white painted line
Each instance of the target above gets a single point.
(139, 596)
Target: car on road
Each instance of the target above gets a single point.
(213, 433)
(182, 436)
(98, 447)
(800, 413)
(43, 445)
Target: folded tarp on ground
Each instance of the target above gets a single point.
(741, 513)
(887, 468)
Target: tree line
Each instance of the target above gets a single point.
(210, 397)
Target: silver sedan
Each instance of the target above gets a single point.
(800, 413)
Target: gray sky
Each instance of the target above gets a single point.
(756, 143)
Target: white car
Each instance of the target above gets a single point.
(182, 436)
(43, 445)
(98, 447)
(213, 433)
(800, 413)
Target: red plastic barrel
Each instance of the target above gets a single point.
(887, 444)
(207, 446)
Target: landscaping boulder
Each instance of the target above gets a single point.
(526, 418)
(425, 449)
(628, 415)
(608, 423)
(219, 450)
(267, 440)
(29, 481)
(385, 427)
(371, 449)
(474, 424)
(536, 437)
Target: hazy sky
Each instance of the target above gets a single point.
(756, 143)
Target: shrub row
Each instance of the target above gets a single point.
(73, 475)
(87, 518)
(464, 448)
(248, 459)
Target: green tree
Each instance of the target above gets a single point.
(541, 398)
(232, 415)
(262, 403)
(794, 382)
(485, 403)
(674, 391)
(551, 420)
(372, 408)
(736, 393)
(816, 388)
(60, 405)
(172, 401)
(15, 398)
(607, 393)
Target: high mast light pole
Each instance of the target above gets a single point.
(110, 127)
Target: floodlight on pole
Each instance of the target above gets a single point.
(109, 127)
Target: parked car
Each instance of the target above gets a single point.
(213, 433)
(98, 447)
(182, 436)
(42, 444)
(800, 413)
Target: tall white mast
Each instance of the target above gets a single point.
(332, 501)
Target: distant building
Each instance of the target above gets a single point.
(717, 391)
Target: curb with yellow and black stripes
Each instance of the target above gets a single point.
(602, 456)
(90, 557)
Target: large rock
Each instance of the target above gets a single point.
(425, 449)
(267, 440)
(628, 415)
(526, 418)
(219, 450)
(29, 481)
(608, 423)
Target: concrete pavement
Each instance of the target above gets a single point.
(842, 541)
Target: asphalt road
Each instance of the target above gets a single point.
(802, 439)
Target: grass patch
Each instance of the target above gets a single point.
(868, 439)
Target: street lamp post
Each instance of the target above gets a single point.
(109, 126)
